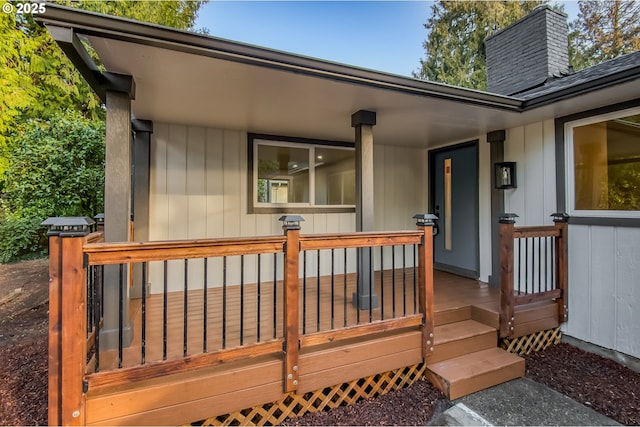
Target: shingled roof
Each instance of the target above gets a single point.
(623, 65)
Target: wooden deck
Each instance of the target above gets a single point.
(457, 300)
(452, 294)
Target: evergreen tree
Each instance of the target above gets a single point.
(38, 80)
(45, 154)
(454, 49)
(604, 29)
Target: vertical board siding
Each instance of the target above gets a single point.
(532, 147)
(627, 282)
(198, 189)
(604, 290)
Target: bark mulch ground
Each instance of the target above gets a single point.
(604, 385)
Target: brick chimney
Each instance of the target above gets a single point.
(526, 53)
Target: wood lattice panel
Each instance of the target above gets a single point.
(536, 341)
(295, 405)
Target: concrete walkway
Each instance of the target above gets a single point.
(519, 402)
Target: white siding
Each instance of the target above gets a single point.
(604, 287)
(198, 189)
(604, 262)
(532, 147)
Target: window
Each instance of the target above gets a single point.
(603, 164)
(289, 174)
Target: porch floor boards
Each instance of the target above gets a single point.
(451, 292)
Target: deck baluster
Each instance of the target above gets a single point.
(143, 337)
(241, 299)
(185, 308)
(165, 291)
(381, 282)
(120, 314)
(344, 307)
(258, 297)
(205, 303)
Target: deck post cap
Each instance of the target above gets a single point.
(68, 226)
(507, 218)
(291, 222)
(425, 219)
(560, 217)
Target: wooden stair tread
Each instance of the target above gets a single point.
(460, 330)
(473, 372)
(474, 364)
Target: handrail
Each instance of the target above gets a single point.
(359, 240)
(544, 270)
(118, 253)
(77, 266)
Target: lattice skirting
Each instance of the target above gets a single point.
(295, 405)
(533, 342)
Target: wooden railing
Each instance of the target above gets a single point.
(78, 263)
(533, 262)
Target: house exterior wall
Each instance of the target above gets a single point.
(532, 147)
(604, 287)
(198, 189)
(604, 262)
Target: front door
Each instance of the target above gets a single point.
(454, 199)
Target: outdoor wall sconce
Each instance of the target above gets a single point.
(505, 175)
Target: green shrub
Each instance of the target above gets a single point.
(56, 169)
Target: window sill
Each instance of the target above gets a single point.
(605, 221)
(300, 210)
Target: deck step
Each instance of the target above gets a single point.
(452, 315)
(460, 338)
(473, 372)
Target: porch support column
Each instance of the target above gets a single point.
(496, 139)
(363, 122)
(142, 130)
(117, 213)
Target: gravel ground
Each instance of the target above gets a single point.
(604, 385)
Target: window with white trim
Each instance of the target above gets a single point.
(603, 165)
(302, 175)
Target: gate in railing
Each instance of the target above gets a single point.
(223, 300)
(533, 262)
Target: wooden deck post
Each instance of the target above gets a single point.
(68, 319)
(55, 296)
(291, 226)
(562, 267)
(425, 223)
(507, 223)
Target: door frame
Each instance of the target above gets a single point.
(431, 203)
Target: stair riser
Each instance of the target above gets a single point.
(463, 346)
(452, 316)
(483, 381)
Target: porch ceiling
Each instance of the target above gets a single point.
(192, 79)
(179, 87)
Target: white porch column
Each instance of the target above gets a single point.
(117, 214)
(363, 122)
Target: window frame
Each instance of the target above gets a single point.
(254, 140)
(569, 167)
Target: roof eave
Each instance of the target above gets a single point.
(94, 24)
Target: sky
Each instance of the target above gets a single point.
(379, 35)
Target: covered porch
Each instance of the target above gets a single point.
(280, 329)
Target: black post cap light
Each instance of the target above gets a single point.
(68, 226)
(425, 219)
(291, 222)
(507, 218)
(560, 217)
